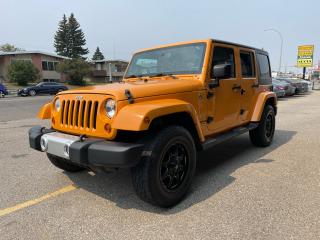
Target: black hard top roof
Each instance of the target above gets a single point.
(240, 45)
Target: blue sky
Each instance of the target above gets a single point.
(126, 25)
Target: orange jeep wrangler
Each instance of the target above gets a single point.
(174, 100)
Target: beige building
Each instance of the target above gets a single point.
(108, 70)
(45, 62)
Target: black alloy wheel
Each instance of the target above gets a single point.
(174, 166)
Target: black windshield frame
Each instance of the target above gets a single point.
(199, 71)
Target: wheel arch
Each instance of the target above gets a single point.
(146, 115)
(45, 111)
(265, 98)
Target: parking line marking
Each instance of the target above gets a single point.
(32, 202)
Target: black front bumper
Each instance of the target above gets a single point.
(95, 152)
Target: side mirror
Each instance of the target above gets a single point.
(220, 71)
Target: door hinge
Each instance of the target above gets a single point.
(209, 119)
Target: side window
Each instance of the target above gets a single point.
(247, 64)
(264, 65)
(222, 55)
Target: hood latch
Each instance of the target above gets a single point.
(129, 96)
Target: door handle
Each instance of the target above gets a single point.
(242, 91)
(255, 85)
(236, 87)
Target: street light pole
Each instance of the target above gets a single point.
(281, 46)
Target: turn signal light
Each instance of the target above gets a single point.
(107, 127)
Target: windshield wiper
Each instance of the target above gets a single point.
(134, 76)
(162, 75)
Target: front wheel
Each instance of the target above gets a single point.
(166, 170)
(32, 93)
(2, 94)
(262, 136)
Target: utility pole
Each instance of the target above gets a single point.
(281, 45)
(110, 72)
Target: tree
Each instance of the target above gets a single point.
(69, 39)
(76, 69)
(9, 48)
(61, 38)
(97, 55)
(22, 72)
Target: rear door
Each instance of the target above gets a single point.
(248, 82)
(45, 88)
(225, 102)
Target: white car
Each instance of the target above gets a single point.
(316, 84)
(310, 85)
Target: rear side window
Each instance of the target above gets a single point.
(247, 64)
(264, 68)
(222, 55)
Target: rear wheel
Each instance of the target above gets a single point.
(262, 136)
(64, 164)
(166, 170)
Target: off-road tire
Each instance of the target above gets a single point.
(262, 136)
(64, 164)
(147, 176)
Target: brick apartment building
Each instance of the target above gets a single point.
(45, 62)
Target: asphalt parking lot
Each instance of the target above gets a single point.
(240, 192)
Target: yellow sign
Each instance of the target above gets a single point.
(305, 56)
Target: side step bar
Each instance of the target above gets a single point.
(227, 136)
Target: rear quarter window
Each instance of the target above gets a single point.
(264, 69)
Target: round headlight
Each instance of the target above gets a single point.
(110, 107)
(57, 105)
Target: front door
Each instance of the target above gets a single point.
(248, 82)
(224, 104)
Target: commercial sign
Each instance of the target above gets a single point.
(305, 56)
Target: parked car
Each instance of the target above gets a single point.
(310, 84)
(316, 84)
(289, 89)
(278, 89)
(42, 88)
(300, 86)
(175, 100)
(3, 90)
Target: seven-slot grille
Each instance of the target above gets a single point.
(81, 114)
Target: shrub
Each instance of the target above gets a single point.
(75, 69)
(22, 72)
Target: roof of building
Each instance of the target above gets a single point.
(32, 52)
(108, 60)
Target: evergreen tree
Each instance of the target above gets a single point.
(61, 38)
(76, 39)
(98, 55)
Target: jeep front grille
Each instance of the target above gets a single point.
(81, 114)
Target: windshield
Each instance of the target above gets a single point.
(182, 59)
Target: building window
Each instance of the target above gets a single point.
(49, 66)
